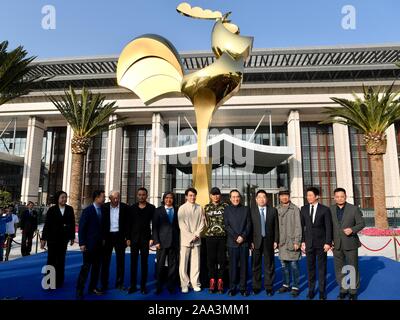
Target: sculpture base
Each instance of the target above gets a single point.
(202, 168)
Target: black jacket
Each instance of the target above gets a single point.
(29, 223)
(319, 233)
(58, 227)
(165, 233)
(237, 220)
(271, 222)
(90, 229)
(124, 211)
(139, 221)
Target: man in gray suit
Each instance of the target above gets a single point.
(347, 222)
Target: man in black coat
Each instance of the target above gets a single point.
(91, 244)
(265, 240)
(166, 239)
(58, 230)
(139, 238)
(28, 225)
(347, 222)
(316, 223)
(115, 215)
(237, 222)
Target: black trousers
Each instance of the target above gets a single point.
(172, 256)
(238, 260)
(316, 255)
(216, 256)
(114, 240)
(203, 277)
(143, 250)
(56, 258)
(267, 250)
(91, 263)
(26, 243)
(342, 258)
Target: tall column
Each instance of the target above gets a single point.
(392, 176)
(32, 160)
(344, 176)
(67, 161)
(113, 160)
(295, 167)
(157, 164)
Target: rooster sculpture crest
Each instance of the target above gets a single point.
(151, 67)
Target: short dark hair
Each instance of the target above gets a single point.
(261, 191)
(143, 189)
(97, 193)
(29, 202)
(234, 190)
(166, 194)
(214, 191)
(314, 190)
(190, 190)
(58, 194)
(339, 190)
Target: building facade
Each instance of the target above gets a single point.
(276, 116)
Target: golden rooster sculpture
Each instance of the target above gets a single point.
(151, 67)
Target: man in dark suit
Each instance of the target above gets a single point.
(264, 242)
(139, 238)
(316, 222)
(237, 220)
(28, 225)
(91, 244)
(58, 230)
(166, 239)
(347, 222)
(114, 232)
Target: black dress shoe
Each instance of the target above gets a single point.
(132, 290)
(143, 291)
(79, 295)
(295, 292)
(256, 291)
(322, 296)
(232, 292)
(353, 297)
(244, 293)
(310, 296)
(342, 296)
(269, 292)
(171, 290)
(120, 287)
(96, 292)
(158, 291)
(283, 289)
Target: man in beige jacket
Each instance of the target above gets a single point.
(191, 223)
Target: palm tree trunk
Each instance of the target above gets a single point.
(76, 183)
(378, 188)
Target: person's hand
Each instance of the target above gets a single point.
(327, 247)
(239, 239)
(128, 243)
(296, 247)
(42, 244)
(83, 248)
(303, 246)
(158, 247)
(151, 242)
(348, 231)
(252, 246)
(196, 238)
(275, 245)
(71, 243)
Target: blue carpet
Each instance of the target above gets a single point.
(380, 279)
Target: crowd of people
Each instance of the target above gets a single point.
(228, 233)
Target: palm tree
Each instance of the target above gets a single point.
(88, 115)
(371, 115)
(16, 78)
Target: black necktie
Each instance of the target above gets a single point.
(312, 213)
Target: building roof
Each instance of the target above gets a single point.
(344, 63)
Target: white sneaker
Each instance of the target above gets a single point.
(197, 289)
(185, 290)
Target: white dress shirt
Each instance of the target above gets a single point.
(315, 211)
(62, 209)
(114, 219)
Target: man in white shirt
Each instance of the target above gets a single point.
(10, 230)
(191, 221)
(115, 214)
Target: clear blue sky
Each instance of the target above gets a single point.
(103, 27)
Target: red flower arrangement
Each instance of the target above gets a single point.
(375, 232)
